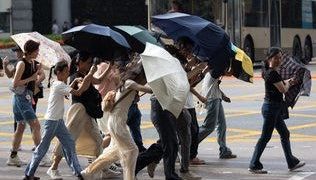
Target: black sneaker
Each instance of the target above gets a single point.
(257, 171)
(298, 165)
(227, 156)
(31, 178)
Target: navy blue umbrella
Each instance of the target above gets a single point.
(101, 41)
(211, 41)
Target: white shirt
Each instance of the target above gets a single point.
(189, 104)
(55, 109)
(210, 87)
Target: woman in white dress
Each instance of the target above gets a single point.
(122, 144)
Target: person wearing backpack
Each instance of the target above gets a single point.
(122, 144)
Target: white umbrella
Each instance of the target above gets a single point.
(166, 78)
(50, 52)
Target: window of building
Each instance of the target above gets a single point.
(4, 22)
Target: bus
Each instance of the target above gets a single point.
(255, 25)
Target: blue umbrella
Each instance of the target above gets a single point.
(211, 41)
(101, 41)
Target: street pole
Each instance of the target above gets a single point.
(148, 14)
(11, 20)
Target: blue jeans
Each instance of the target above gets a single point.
(133, 122)
(271, 113)
(55, 128)
(215, 116)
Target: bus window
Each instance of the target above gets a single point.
(256, 13)
(291, 14)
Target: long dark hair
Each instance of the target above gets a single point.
(272, 51)
(76, 58)
(134, 72)
(59, 66)
(174, 51)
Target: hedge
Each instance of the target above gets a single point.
(8, 42)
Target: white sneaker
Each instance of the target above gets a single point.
(16, 161)
(53, 174)
(87, 176)
(108, 173)
(115, 168)
(45, 162)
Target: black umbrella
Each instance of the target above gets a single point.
(101, 41)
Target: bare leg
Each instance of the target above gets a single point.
(56, 161)
(106, 141)
(18, 135)
(36, 131)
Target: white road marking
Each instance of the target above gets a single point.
(301, 175)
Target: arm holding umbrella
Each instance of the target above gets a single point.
(7, 71)
(84, 84)
(142, 88)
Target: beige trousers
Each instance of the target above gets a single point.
(122, 145)
(84, 131)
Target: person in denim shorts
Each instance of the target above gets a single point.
(23, 88)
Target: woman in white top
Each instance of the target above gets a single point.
(122, 144)
(54, 124)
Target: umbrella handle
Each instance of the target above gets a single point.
(142, 94)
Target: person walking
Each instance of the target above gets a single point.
(81, 115)
(23, 88)
(54, 124)
(272, 113)
(122, 144)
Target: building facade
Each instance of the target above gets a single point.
(18, 16)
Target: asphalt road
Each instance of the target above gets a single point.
(244, 122)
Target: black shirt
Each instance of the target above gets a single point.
(29, 70)
(91, 98)
(82, 98)
(271, 92)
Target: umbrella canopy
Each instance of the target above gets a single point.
(290, 68)
(242, 65)
(50, 52)
(208, 37)
(211, 41)
(101, 41)
(166, 78)
(136, 36)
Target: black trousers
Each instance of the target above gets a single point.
(152, 154)
(194, 134)
(165, 124)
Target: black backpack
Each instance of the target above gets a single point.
(91, 100)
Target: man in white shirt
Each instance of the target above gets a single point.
(215, 115)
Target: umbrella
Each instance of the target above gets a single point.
(166, 78)
(242, 65)
(50, 52)
(136, 36)
(290, 68)
(211, 41)
(101, 41)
